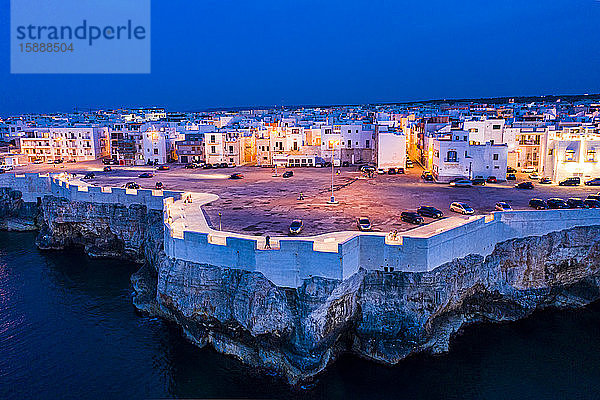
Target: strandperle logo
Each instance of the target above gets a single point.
(80, 36)
(84, 31)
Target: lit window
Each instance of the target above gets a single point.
(591, 155)
(569, 155)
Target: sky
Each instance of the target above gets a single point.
(227, 53)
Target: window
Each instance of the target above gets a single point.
(452, 156)
(155, 151)
(495, 157)
(367, 144)
(570, 155)
(465, 138)
(591, 155)
(231, 149)
(349, 143)
(212, 138)
(550, 152)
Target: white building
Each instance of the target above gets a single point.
(573, 152)
(65, 143)
(391, 150)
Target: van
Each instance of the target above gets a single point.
(573, 181)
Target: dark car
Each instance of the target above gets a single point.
(89, 175)
(190, 166)
(345, 164)
(575, 202)
(364, 168)
(363, 224)
(594, 196)
(296, 227)
(491, 179)
(538, 204)
(478, 181)
(159, 185)
(427, 176)
(592, 203)
(327, 164)
(106, 161)
(411, 217)
(59, 161)
(223, 165)
(392, 171)
(131, 185)
(236, 176)
(146, 175)
(107, 169)
(288, 174)
(524, 185)
(573, 181)
(510, 170)
(545, 181)
(431, 212)
(593, 182)
(163, 168)
(207, 166)
(511, 177)
(556, 203)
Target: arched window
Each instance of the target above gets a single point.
(451, 156)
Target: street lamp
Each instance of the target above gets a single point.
(332, 200)
(220, 221)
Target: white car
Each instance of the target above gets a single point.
(528, 170)
(461, 208)
(381, 171)
(462, 183)
(534, 176)
(503, 206)
(296, 227)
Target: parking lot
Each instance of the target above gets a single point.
(260, 203)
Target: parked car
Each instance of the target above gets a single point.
(296, 227)
(524, 185)
(72, 161)
(537, 204)
(38, 161)
(510, 170)
(392, 171)
(6, 168)
(58, 161)
(327, 164)
(146, 175)
(534, 176)
(236, 176)
(511, 177)
(159, 186)
(223, 165)
(131, 185)
(207, 166)
(163, 168)
(364, 168)
(345, 164)
(431, 212)
(556, 203)
(545, 181)
(108, 168)
(411, 217)
(427, 176)
(593, 182)
(363, 224)
(461, 183)
(573, 181)
(491, 179)
(528, 170)
(319, 165)
(106, 161)
(89, 175)
(575, 202)
(503, 206)
(2, 171)
(461, 208)
(191, 166)
(594, 196)
(478, 181)
(288, 174)
(381, 171)
(409, 163)
(592, 203)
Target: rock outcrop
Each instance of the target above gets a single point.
(383, 316)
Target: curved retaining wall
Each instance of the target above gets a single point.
(294, 260)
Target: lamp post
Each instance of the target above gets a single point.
(220, 221)
(332, 200)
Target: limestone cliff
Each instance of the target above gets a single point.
(15, 214)
(384, 316)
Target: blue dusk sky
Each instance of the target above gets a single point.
(227, 53)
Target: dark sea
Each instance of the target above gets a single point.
(68, 330)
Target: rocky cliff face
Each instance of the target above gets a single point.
(378, 315)
(15, 214)
(102, 230)
(383, 316)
